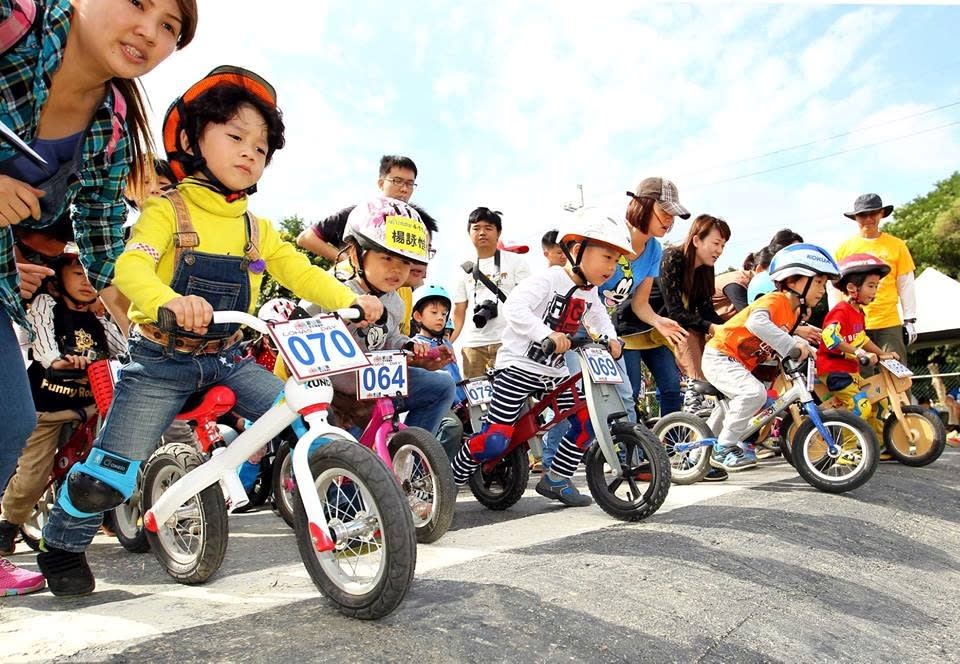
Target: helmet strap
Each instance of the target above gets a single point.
(575, 260)
(361, 252)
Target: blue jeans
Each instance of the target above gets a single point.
(428, 398)
(20, 418)
(663, 366)
(152, 389)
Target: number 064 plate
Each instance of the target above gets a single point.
(316, 347)
(602, 367)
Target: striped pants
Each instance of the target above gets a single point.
(511, 389)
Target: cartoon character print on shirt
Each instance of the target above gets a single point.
(563, 314)
(374, 336)
(754, 347)
(614, 297)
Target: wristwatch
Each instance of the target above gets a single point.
(909, 320)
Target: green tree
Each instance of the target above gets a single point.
(930, 225)
(290, 228)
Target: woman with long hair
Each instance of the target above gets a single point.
(71, 93)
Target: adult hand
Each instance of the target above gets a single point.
(911, 332)
(670, 329)
(193, 313)
(811, 333)
(18, 201)
(31, 276)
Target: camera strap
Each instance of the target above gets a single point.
(484, 279)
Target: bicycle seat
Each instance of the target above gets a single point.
(210, 404)
(705, 388)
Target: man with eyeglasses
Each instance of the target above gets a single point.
(398, 179)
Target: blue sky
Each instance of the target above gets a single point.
(512, 104)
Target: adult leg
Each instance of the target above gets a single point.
(662, 365)
(20, 417)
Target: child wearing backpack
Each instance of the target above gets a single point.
(195, 250)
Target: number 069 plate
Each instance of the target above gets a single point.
(601, 366)
(316, 347)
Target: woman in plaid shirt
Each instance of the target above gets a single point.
(66, 76)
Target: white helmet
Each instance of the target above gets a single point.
(389, 225)
(277, 310)
(596, 226)
(803, 260)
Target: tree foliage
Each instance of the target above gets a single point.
(290, 228)
(930, 225)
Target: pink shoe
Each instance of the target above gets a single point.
(16, 581)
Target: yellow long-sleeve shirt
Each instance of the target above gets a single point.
(145, 269)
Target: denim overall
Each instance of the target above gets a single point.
(155, 384)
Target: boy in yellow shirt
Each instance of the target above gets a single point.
(194, 251)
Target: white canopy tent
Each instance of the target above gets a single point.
(938, 309)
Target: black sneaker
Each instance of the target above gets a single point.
(562, 490)
(716, 475)
(67, 573)
(8, 536)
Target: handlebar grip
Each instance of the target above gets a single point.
(548, 346)
(166, 320)
(863, 360)
(357, 313)
(794, 354)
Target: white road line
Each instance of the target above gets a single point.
(167, 608)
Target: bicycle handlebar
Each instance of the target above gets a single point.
(167, 320)
(548, 346)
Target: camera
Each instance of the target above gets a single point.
(484, 312)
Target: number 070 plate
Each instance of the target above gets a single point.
(316, 347)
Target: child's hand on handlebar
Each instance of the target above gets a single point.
(803, 348)
(615, 347)
(890, 356)
(193, 313)
(561, 342)
(372, 309)
(429, 357)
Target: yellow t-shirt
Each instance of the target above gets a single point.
(893, 251)
(145, 269)
(406, 294)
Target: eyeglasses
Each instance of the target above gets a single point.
(400, 182)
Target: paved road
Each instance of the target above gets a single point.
(760, 568)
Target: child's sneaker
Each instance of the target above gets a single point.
(716, 475)
(731, 459)
(67, 573)
(562, 490)
(8, 537)
(16, 581)
(749, 452)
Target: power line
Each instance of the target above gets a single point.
(828, 156)
(790, 148)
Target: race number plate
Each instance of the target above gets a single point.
(896, 368)
(385, 377)
(315, 347)
(479, 391)
(602, 367)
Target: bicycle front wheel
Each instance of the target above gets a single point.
(852, 464)
(929, 436)
(371, 567)
(638, 487)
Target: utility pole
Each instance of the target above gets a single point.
(573, 207)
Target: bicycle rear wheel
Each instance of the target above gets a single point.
(930, 436)
(681, 428)
(422, 466)
(371, 568)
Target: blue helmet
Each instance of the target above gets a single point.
(803, 260)
(431, 292)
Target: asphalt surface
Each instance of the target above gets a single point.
(760, 568)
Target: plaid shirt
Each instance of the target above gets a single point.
(94, 198)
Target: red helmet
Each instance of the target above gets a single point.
(861, 264)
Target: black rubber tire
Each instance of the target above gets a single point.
(788, 430)
(281, 474)
(637, 442)
(444, 493)
(692, 427)
(809, 451)
(210, 511)
(396, 527)
(927, 424)
(504, 485)
(262, 487)
(128, 525)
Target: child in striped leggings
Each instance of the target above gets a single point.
(553, 303)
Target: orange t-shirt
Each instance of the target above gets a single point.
(734, 339)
